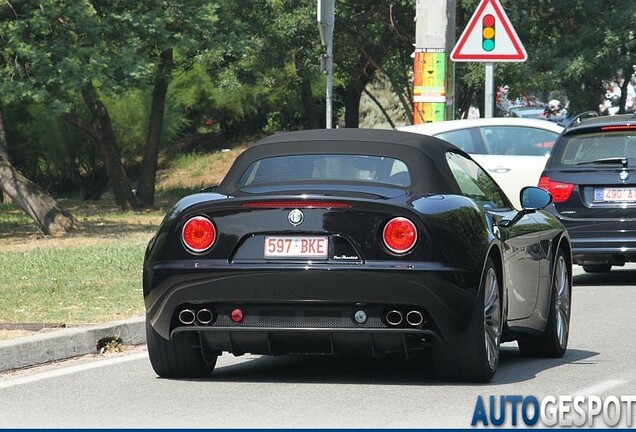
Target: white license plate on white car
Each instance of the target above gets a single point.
(296, 247)
(615, 194)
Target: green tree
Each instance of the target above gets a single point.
(39, 205)
(54, 51)
(372, 37)
(271, 79)
(278, 71)
(169, 37)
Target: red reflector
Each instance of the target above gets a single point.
(399, 235)
(296, 204)
(198, 234)
(560, 191)
(618, 127)
(237, 315)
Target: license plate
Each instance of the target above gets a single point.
(615, 194)
(296, 247)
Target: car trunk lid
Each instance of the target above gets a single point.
(604, 191)
(286, 228)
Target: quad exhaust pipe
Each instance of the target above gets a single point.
(187, 317)
(413, 318)
(394, 317)
(205, 316)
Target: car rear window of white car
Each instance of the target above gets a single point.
(518, 141)
(502, 140)
(585, 149)
(326, 167)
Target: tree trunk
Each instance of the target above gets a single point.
(355, 87)
(39, 205)
(4, 153)
(148, 176)
(623, 82)
(101, 129)
(306, 95)
(352, 96)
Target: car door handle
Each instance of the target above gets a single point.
(500, 170)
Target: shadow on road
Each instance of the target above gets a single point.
(513, 368)
(617, 277)
(322, 369)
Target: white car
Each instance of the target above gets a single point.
(513, 150)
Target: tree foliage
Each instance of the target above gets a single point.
(131, 76)
(372, 38)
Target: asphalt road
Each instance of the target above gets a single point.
(118, 391)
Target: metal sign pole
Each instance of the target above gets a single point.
(489, 93)
(329, 93)
(326, 18)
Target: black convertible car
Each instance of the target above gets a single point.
(356, 242)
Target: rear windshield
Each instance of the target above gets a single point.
(518, 141)
(585, 149)
(321, 167)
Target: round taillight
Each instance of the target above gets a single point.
(399, 235)
(198, 234)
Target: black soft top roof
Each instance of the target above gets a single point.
(425, 156)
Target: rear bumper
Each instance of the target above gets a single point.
(336, 341)
(599, 241)
(310, 310)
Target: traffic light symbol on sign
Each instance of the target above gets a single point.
(488, 33)
(489, 37)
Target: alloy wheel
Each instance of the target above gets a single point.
(492, 317)
(562, 303)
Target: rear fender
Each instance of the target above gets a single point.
(461, 230)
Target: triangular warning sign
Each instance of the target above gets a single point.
(489, 37)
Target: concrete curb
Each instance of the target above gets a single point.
(66, 343)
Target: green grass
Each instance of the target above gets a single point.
(12, 218)
(89, 276)
(73, 284)
(175, 193)
(93, 275)
(193, 162)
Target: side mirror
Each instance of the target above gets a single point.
(533, 198)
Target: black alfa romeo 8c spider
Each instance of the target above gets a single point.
(357, 242)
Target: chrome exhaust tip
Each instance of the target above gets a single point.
(414, 318)
(187, 317)
(394, 317)
(205, 316)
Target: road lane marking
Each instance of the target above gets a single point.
(71, 370)
(601, 387)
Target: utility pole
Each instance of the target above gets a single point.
(326, 18)
(434, 38)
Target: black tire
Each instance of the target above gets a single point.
(180, 357)
(553, 342)
(474, 355)
(597, 268)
